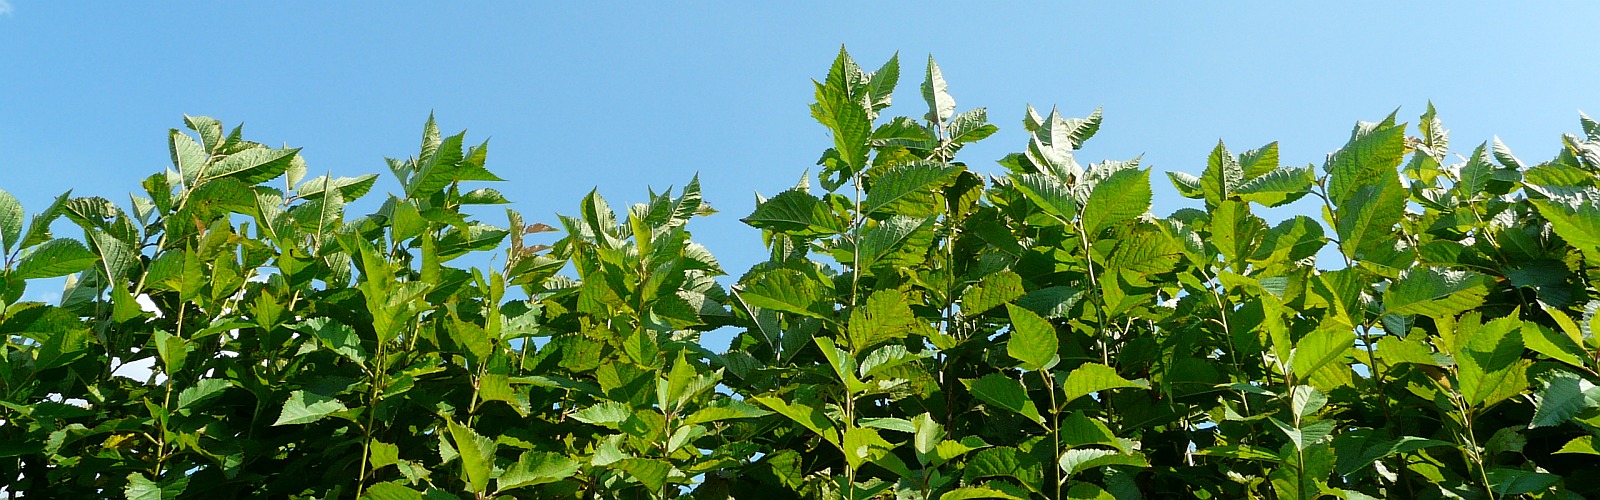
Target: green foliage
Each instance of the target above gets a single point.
(920, 331)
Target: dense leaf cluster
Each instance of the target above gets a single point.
(919, 331)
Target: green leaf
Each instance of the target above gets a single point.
(1366, 221)
(1188, 186)
(438, 169)
(535, 468)
(55, 258)
(937, 94)
(1506, 481)
(977, 492)
(1318, 349)
(1294, 239)
(1033, 340)
(1094, 377)
(804, 415)
(797, 213)
(1581, 444)
(1278, 187)
(187, 156)
(1049, 193)
(141, 488)
(1565, 394)
(726, 410)
(201, 391)
(650, 472)
(881, 243)
(862, 445)
(1574, 219)
(349, 188)
(1001, 392)
(1349, 463)
(252, 166)
(1117, 199)
(1554, 345)
(1222, 176)
(991, 291)
(1236, 232)
(787, 290)
(477, 456)
(1088, 491)
(884, 317)
(1004, 461)
(337, 337)
(383, 455)
(1368, 160)
(305, 407)
(1074, 461)
(1489, 360)
(10, 222)
(1436, 292)
(607, 414)
(390, 491)
(1307, 435)
(908, 189)
(39, 227)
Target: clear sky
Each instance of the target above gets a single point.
(621, 96)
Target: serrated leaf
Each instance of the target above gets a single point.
(1033, 340)
(795, 212)
(141, 488)
(1507, 482)
(881, 243)
(1368, 217)
(1005, 393)
(908, 189)
(937, 94)
(1307, 435)
(990, 292)
(390, 491)
(201, 391)
(10, 222)
(1581, 444)
(55, 258)
(349, 188)
(1050, 194)
(885, 316)
(337, 337)
(607, 414)
(788, 290)
(1564, 395)
(383, 455)
(305, 407)
(1222, 176)
(1278, 187)
(1576, 220)
(1318, 349)
(1369, 159)
(804, 415)
(1004, 461)
(437, 169)
(477, 456)
(39, 228)
(1117, 199)
(252, 166)
(535, 468)
(1074, 461)
(1188, 186)
(1094, 377)
(1436, 292)
(650, 472)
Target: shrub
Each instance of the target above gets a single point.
(919, 330)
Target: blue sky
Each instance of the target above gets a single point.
(621, 96)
